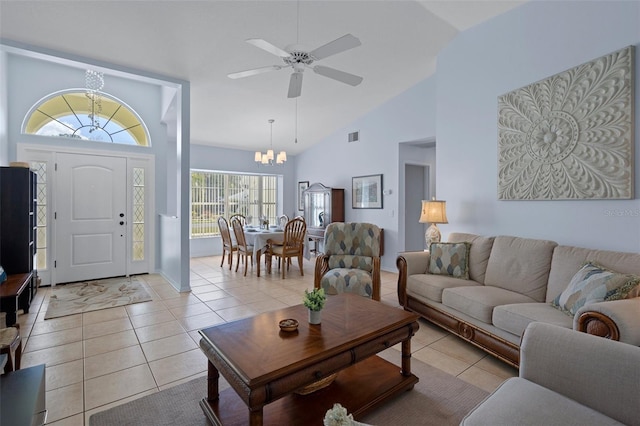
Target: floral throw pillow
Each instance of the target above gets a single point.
(593, 283)
(450, 259)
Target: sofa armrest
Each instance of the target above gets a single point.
(410, 263)
(615, 320)
(595, 372)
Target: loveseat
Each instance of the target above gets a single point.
(566, 378)
(491, 288)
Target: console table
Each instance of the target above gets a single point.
(14, 297)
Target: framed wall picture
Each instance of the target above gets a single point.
(366, 192)
(301, 187)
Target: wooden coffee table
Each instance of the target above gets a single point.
(265, 366)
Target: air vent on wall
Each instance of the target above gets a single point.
(354, 136)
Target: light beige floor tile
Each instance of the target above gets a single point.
(77, 420)
(53, 356)
(266, 305)
(197, 322)
(108, 327)
(186, 364)
(204, 289)
(151, 318)
(159, 331)
(457, 348)
(168, 346)
(145, 308)
(182, 300)
(440, 360)
(115, 386)
(68, 373)
(481, 378)
(55, 338)
(109, 342)
(64, 402)
(227, 302)
(497, 367)
(190, 310)
(185, 380)
(103, 315)
(236, 312)
(57, 324)
(212, 295)
(113, 361)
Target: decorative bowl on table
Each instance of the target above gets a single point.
(288, 324)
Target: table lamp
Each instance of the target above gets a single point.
(433, 212)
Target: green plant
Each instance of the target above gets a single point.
(314, 299)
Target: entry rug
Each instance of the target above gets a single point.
(94, 295)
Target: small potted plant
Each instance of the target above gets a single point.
(314, 301)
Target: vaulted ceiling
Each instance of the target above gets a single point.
(203, 41)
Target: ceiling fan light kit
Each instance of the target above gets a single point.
(295, 57)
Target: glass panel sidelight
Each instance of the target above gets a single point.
(138, 214)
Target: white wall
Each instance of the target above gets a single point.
(523, 46)
(333, 162)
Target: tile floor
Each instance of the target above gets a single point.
(104, 358)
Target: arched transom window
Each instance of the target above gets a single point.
(78, 114)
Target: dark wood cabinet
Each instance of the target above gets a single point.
(18, 203)
(322, 205)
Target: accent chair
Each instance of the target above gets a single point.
(351, 260)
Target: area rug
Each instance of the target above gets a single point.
(438, 399)
(69, 299)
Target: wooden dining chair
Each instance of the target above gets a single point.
(11, 345)
(291, 246)
(244, 250)
(227, 243)
(240, 217)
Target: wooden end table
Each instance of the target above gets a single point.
(265, 366)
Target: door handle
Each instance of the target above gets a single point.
(121, 222)
(121, 214)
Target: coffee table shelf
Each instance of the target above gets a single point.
(359, 389)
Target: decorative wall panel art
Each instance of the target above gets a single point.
(570, 136)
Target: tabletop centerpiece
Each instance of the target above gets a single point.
(314, 300)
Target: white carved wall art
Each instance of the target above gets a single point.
(570, 136)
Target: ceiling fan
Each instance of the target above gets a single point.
(296, 57)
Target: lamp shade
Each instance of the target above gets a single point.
(434, 211)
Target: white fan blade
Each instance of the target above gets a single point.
(255, 71)
(265, 45)
(295, 85)
(335, 74)
(341, 44)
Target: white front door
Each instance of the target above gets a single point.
(90, 223)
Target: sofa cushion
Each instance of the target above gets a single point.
(514, 318)
(450, 259)
(431, 286)
(594, 283)
(519, 401)
(478, 302)
(568, 260)
(478, 254)
(521, 265)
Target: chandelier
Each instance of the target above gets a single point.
(267, 159)
(94, 82)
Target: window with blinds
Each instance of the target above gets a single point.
(215, 194)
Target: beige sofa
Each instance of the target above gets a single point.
(512, 282)
(566, 378)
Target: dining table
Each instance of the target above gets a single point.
(258, 239)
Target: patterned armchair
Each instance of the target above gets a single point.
(351, 260)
